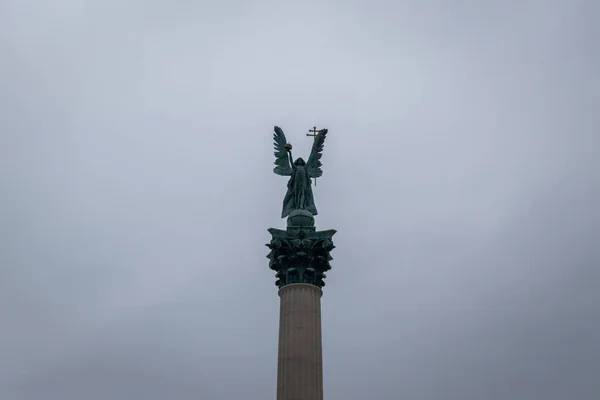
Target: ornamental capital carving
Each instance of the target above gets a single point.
(300, 256)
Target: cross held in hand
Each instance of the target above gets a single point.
(314, 131)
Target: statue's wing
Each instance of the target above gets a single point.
(282, 161)
(313, 166)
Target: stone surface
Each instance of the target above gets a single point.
(300, 363)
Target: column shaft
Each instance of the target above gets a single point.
(300, 363)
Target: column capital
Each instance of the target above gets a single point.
(300, 255)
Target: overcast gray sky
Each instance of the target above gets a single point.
(461, 171)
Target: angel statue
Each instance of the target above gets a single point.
(299, 193)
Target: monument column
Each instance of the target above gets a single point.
(300, 256)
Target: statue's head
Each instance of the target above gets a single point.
(300, 162)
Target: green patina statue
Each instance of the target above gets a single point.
(300, 253)
(299, 194)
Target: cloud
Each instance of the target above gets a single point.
(137, 187)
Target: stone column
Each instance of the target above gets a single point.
(300, 257)
(300, 363)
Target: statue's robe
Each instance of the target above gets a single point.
(299, 194)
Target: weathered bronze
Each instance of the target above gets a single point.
(300, 256)
(299, 194)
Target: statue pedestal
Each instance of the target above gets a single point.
(301, 219)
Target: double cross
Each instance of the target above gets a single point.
(314, 131)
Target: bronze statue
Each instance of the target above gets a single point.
(299, 194)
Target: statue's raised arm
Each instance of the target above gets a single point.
(313, 167)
